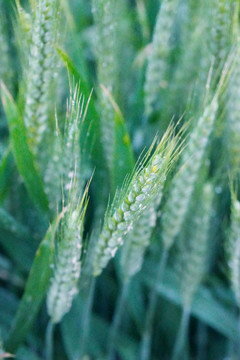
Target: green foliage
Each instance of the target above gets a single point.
(35, 290)
(113, 212)
(22, 153)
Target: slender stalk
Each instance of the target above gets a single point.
(181, 339)
(145, 350)
(202, 341)
(235, 347)
(49, 340)
(116, 321)
(86, 317)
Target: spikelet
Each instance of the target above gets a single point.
(156, 75)
(65, 160)
(71, 145)
(39, 73)
(184, 182)
(233, 114)
(104, 12)
(233, 247)
(194, 253)
(67, 266)
(140, 194)
(5, 63)
(136, 243)
(54, 172)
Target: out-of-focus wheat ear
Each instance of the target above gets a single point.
(193, 259)
(40, 72)
(233, 105)
(105, 18)
(5, 61)
(183, 183)
(196, 249)
(67, 265)
(138, 196)
(220, 31)
(233, 247)
(157, 70)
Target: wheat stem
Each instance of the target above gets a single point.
(87, 317)
(145, 350)
(116, 321)
(49, 340)
(181, 339)
(202, 341)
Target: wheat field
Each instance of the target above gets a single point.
(119, 180)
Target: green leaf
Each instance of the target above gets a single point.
(35, 290)
(16, 240)
(123, 157)
(73, 71)
(8, 223)
(26, 354)
(9, 304)
(22, 153)
(205, 307)
(5, 170)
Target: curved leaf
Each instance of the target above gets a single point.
(22, 153)
(123, 158)
(35, 289)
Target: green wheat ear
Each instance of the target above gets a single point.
(105, 18)
(40, 71)
(138, 239)
(5, 62)
(184, 182)
(221, 30)
(233, 246)
(233, 105)
(65, 160)
(67, 265)
(157, 71)
(133, 200)
(195, 249)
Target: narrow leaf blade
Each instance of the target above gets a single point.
(35, 290)
(123, 157)
(23, 156)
